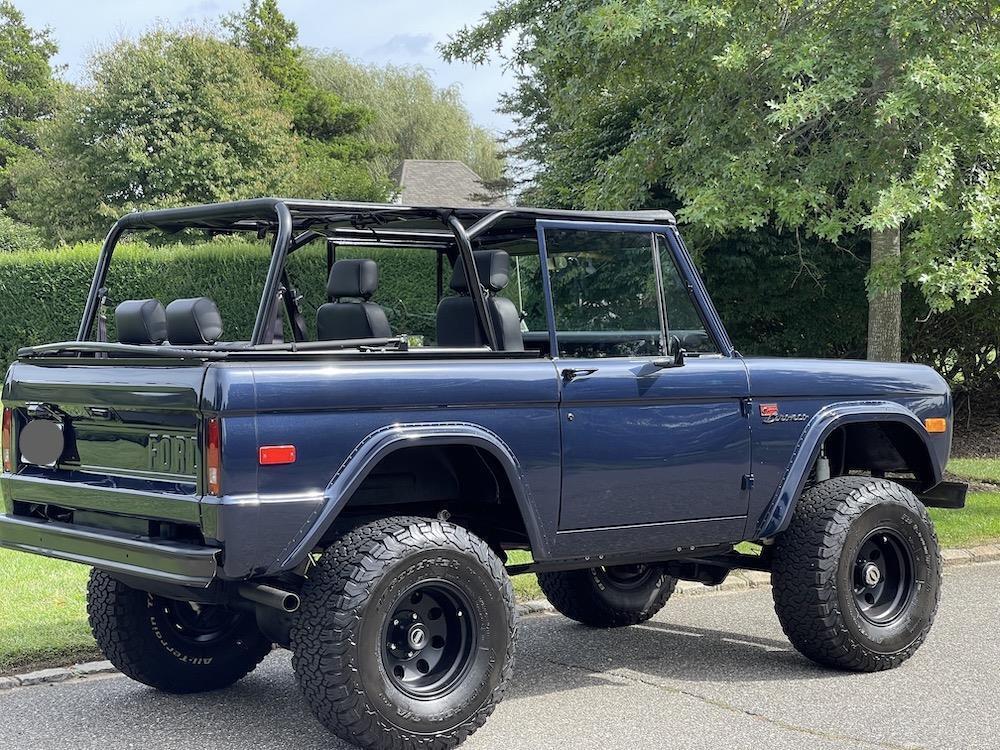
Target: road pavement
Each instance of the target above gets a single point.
(710, 672)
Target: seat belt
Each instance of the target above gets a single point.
(296, 319)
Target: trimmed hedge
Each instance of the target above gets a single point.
(42, 293)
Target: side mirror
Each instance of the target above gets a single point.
(677, 358)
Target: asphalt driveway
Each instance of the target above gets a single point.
(709, 672)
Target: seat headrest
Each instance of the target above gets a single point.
(356, 277)
(141, 321)
(493, 267)
(195, 320)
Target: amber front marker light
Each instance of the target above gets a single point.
(937, 424)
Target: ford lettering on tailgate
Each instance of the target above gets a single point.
(172, 454)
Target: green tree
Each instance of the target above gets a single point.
(169, 119)
(27, 89)
(416, 118)
(829, 119)
(334, 161)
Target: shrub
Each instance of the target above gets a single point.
(42, 293)
(15, 236)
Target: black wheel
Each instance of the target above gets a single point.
(178, 647)
(857, 574)
(610, 597)
(405, 636)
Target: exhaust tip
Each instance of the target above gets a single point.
(269, 596)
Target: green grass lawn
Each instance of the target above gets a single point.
(976, 469)
(42, 612)
(43, 617)
(977, 523)
(526, 585)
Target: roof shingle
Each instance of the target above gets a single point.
(429, 182)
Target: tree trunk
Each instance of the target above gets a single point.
(885, 306)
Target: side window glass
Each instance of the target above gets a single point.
(525, 291)
(604, 293)
(683, 322)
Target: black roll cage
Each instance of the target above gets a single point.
(295, 223)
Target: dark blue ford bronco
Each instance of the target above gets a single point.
(349, 481)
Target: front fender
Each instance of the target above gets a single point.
(380, 443)
(778, 514)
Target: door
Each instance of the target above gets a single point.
(647, 438)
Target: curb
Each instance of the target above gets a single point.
(59, 674)
(741, 580)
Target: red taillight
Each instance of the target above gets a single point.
(269, 455)
(7, 439)
(213, 457)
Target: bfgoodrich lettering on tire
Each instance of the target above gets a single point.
(857, 574)
(405, 637)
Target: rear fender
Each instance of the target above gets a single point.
(379, 444)
(778, 514)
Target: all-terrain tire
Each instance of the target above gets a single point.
(611, 597)
(355, 608)
(826, 574)
(172, 646)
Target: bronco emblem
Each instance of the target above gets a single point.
(171, 454)
(770, 414)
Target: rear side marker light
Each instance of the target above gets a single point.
(937, 424)
(8, 432)
(270, 455)
(213, 457)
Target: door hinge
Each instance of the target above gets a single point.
(748, 481)
(745, 405)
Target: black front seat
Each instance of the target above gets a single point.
(352, 283)
(457, 324)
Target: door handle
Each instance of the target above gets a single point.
(572, 373)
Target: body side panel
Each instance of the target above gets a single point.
(816, 397)
(340, 416)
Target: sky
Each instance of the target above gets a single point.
(401, 32)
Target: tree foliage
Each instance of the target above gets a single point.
(27, 88)
(334, 160)
(828, 118)
(171, 118)
(411, 117)
(17, 237)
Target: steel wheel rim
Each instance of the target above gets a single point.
(198, 624)
(429, 640)
(626, 577)
(884, 578)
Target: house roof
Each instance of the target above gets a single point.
(429, 182)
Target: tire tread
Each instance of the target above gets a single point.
(326, 627)
(806, 559)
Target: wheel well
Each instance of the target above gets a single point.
(464, 483)
(880, 448)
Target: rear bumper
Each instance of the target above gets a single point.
(183, 564)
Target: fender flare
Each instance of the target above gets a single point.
(386, 440)
(778, 514)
